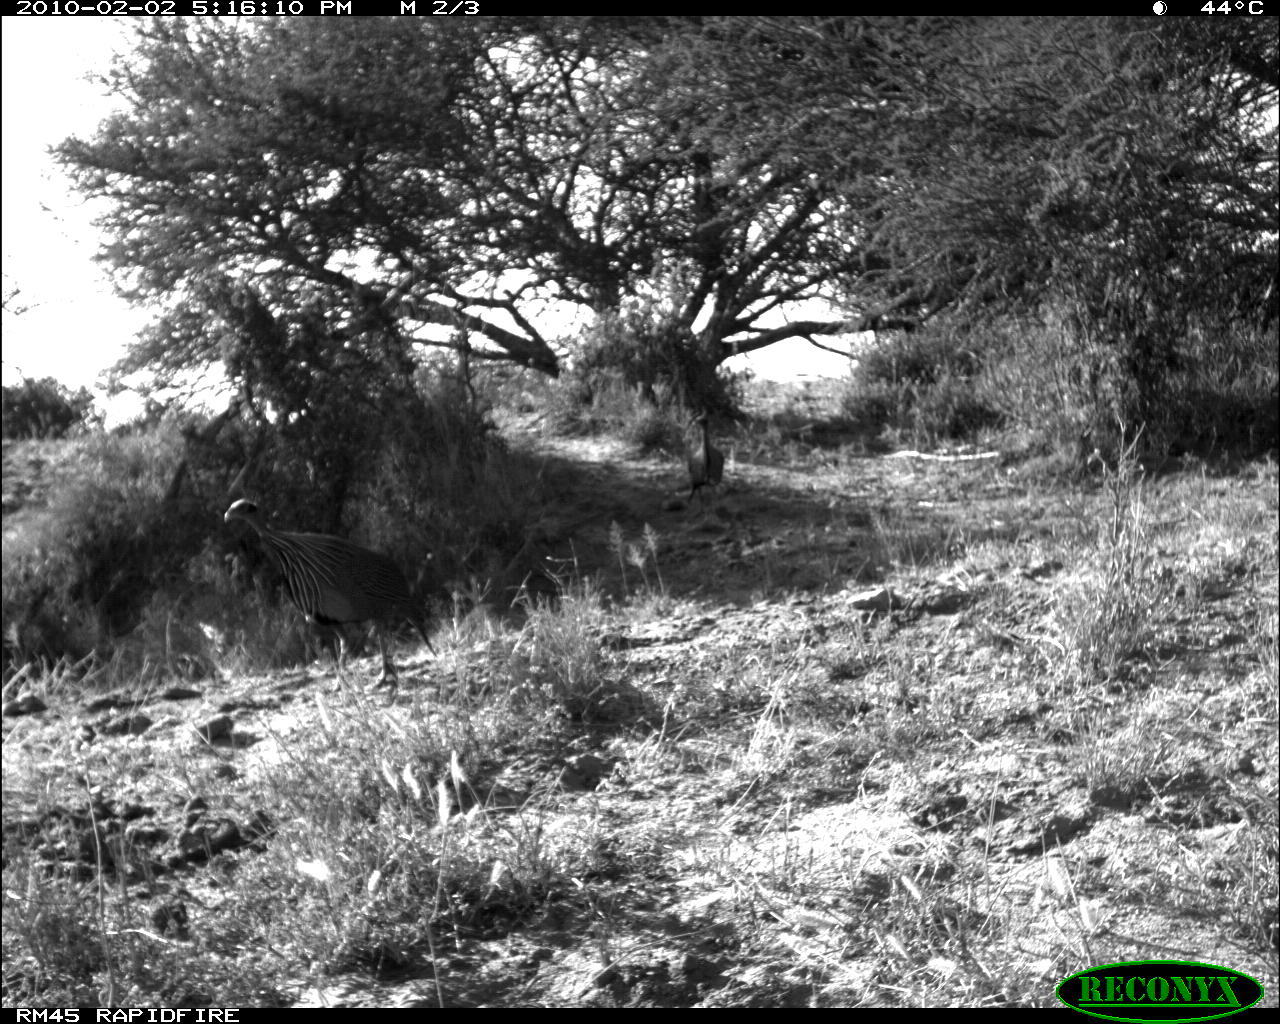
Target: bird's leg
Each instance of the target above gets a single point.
(388, 677)
(339, 655)
(422, 629)
(342, 649)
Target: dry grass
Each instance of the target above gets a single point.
(1058, 749)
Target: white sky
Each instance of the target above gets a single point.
(76, 327)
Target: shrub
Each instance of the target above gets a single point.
(646, 347)
(1064, 393)
(78, 573)
(921, 358)
(922, 385)
(44, 408)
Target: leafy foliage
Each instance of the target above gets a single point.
(317, 207)
(923, 385)
(80, 573)
(45, 408)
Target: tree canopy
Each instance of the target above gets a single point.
(303, 198)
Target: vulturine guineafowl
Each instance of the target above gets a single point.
(333, 581)
(706, 462)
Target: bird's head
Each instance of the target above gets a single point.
(245, 510)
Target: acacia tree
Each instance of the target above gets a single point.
(278, 161)
(402, 173)
(364, 183)
(1123, 170)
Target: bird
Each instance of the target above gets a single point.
(333, 581)
(706, 462)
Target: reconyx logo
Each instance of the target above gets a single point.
(1164, 990)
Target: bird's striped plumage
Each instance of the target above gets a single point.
(332, 580)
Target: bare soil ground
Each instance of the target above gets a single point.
(866, 730)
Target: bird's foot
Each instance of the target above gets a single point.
(391, 682)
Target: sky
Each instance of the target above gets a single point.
(74, 326)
